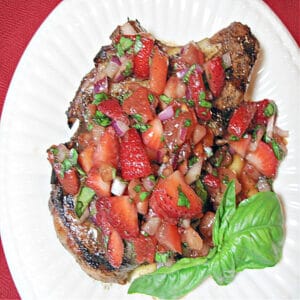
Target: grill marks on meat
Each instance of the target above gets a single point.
(243, 47)
(83, 239)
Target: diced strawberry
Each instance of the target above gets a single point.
(158, 72)
(175, 88)
(195, 85)
(107, 149)
(115, 249)
(122, 215)
(141, 60)
(69, 181)
(113, 109)
(144, 248)
(263, 159)
(241, 119)
(241, 146)
(211, 181)
(191, 54)
(153, 136)
(215, 75)
(261, 117)
(133, 157)
(101, 219)
(173, 198)
(138, 104)
(85, 158)
(192, 238)
(169, 237)
(96, 182)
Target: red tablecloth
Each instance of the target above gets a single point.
(19, 19)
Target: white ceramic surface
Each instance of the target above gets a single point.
(46, 79)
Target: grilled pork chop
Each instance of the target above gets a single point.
(80, 235)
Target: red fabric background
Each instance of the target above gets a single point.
(19, 20)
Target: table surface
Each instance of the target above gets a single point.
(19, 20)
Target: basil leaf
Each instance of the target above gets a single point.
(85, 197)
(172, 282)
(224, 213)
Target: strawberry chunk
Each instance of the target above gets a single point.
(144, 248)
(158, 72)
(133, 157)
(69, 180)
(263, 159)
(107, 149)
(113, 109)
(153, 136)
(191, 54)
(241, 119)
(241, 146)
(215, 75)
(173, 198)
(138, 104)
(175, 88)
(141, 60)
(121, 213)
(168, 236)
(115, 249)
(211, 181)
(264, 110)
(96, 182)
(85, 158)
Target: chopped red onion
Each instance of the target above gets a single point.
(119, 127)
(226, 60)
(148, 184)
(118, 186)
(112, 67)
(194, 172)
(151, 225)
(259, 134)
(101, 85)
(115, 59)
(186, 223)
(166, 114)
(128, 29)
(182, 133)
(180, 74)
(63, 152)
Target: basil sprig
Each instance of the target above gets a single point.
(249, 236)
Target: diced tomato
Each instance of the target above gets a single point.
(191, 54)
(141, 60)
(169, 237)
(138, 103)
(215, 75)
(166, 199)
(107, 149)
(175, 88)
(115, 249)
(85, 158)
(153, 136)
(241, 119)
(144, 248)
(158, 71)
(122, 215)
(241, 146)
(69, 181)
(263, 159)
(133, 157)
(96, 182)
(113, 109)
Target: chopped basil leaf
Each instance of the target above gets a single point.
(73, 156)
(202, 96)
(80, 171)
(200, 190)
(193, 160)
(177, 112)
(233, 138)
(152, 178)
(54, 151)
(141, 127)
(182, 198)
(124, 96)
(187, 75)
(138, 45)
(165, 99)
(144, 195)
(151, 98)
(277, 150)
(218, 161)
(128, 69)
(85, 197)
(162, 138)
(162, 257)
(204, 103)
(266, 138)
(270, 110)
(66, 165)
(123, 45)
(187, 123)
(90, 126)
(138, 117)
(101, 119)
(137, 188)
(98, 98)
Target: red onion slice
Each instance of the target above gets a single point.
(113, 67)
(148, 184)
(120, 127)
(194, 172)
(166, 114)
(101, 86)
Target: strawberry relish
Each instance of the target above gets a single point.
(153, 156)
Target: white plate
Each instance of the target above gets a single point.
(46, 79)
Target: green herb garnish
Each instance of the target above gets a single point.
(165, 99)
(182, 198)
(144, 195)
(138, 45)
(85, 197)
(98, 98)
(187, 123)
(141, 127)
(123, 45)
(101, 119)
(187, 75)
(270, 110)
